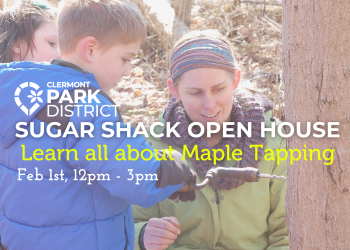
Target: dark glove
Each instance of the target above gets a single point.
(186, 196)
(171, 172)
(175, 172)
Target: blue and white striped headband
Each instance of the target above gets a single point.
(201, 53)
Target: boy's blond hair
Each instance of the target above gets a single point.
(109, 21)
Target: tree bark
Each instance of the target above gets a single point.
(316, 70)
(2, 5)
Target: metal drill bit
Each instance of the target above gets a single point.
(272, 176)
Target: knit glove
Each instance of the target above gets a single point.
(186, 196)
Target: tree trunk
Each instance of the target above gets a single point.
(2, 5)
(183, 10)
(161, 18)
(316, 69)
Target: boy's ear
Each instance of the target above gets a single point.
(88, 48)
(174, 91)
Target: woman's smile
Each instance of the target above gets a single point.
(212, 116)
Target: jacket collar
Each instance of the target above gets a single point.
(64, 63)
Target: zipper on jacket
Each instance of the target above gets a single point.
(217, 198)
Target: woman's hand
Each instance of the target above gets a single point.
(160, 233)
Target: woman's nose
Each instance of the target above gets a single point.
(208, 102)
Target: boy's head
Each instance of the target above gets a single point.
(101, 36)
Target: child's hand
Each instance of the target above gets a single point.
(186, 196)
(160, 233)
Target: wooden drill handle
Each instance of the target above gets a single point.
(247, 174)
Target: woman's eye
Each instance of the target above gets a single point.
(195, 93)
(219, 89)
(52, 44)
(126, 60)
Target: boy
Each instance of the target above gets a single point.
(65, 182)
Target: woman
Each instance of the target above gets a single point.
(227, 214)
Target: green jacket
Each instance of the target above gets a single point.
(250, 217)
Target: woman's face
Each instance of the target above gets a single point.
(46, 45)
(206, 94)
